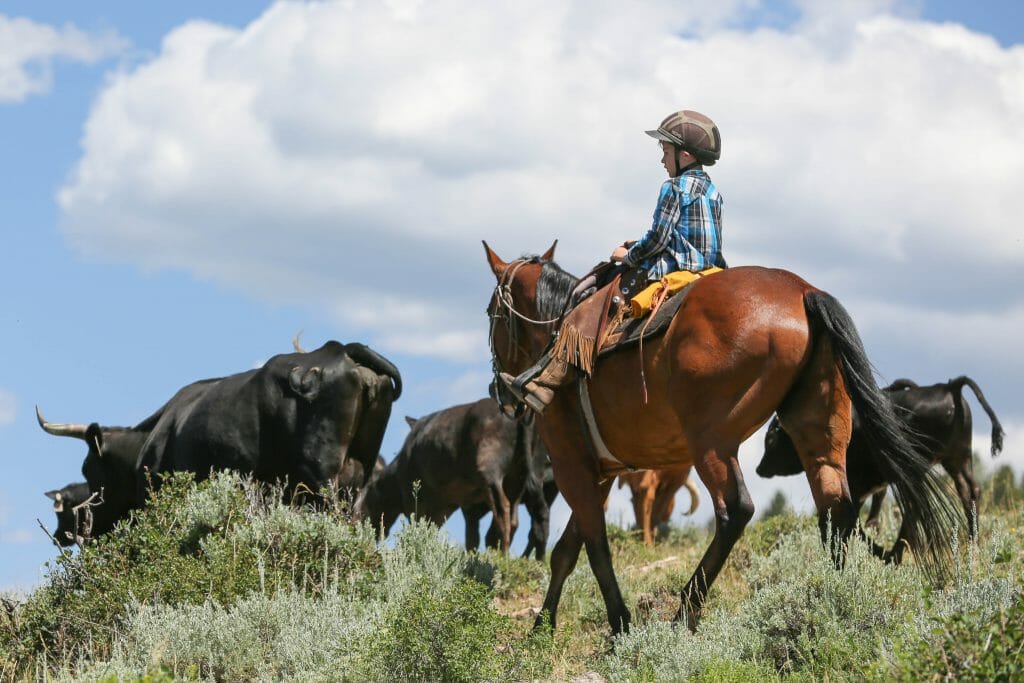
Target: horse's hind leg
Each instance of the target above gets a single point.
(720, 472)
(818, 418)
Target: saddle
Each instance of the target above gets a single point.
(623, 333)
(648, 311)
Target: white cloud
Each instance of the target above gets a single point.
(8, 407)
(28, 50)
(350, 156)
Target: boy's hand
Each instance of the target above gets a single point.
(619, 254)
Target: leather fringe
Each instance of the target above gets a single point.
(574, 348)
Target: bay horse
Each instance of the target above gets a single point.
(747, 342)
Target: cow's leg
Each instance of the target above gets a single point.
(876, 509)
(645, 509)
(720, 471)
(472, 515)
(962, 472)
(664, 502)
(502, 511)
(493, 538)
(895, 556)
(540, 515)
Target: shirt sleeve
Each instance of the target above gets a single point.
(658, 237)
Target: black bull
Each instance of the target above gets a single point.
(299, 417)
(939, 420)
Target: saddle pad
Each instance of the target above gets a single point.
(628, 332)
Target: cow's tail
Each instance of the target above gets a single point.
(997, 429)
(369, 358)
(929, 515)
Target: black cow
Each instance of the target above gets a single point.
(538, 495)
(74, 518)
(111, 463)
(461, 457)
(940, 421)
(297, 418)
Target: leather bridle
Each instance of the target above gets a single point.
(503, 308)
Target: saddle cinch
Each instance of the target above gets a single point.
(637, 315)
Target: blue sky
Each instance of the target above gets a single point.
(177, 210)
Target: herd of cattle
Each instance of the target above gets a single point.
(316, 420)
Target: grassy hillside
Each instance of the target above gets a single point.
(220, 582)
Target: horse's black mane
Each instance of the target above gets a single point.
(553, 288)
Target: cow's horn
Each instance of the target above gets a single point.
(75, 430)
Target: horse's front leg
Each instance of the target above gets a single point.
(720, 472)
(564, 556)
(586, 526)
(595, 535)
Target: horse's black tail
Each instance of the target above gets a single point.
(997, 429)
(930, 518)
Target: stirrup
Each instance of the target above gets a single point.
(518, 385)
(522, 394)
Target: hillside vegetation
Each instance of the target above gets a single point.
(221, 582)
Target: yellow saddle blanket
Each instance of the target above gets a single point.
(643, 302)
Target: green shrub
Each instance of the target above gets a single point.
(452, 634)
(219, 541)
(966, 646)
(260, 637)
(221, 581)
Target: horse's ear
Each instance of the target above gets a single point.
(497, 265)
(550, 253)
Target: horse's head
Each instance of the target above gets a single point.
(528, 301)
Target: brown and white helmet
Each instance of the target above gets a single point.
(693, 132)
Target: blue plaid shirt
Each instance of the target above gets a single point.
(687, 229)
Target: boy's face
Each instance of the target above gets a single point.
(673, 161)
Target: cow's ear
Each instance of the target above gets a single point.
(58, 500)
(306, 383)
(411, 421)
(94, 437)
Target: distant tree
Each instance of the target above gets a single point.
(1004, 487)
(778, 506)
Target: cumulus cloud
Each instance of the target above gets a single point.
(28, 50)
(8, 407)
(350, 156)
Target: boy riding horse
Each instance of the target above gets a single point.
(686, 235)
